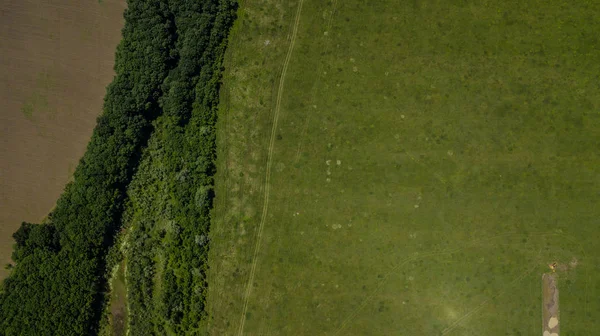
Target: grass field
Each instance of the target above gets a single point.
(407, 168)
(57, 58)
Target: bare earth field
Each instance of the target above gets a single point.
(56, 58)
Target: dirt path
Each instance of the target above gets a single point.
(267, 185)
(550, 311)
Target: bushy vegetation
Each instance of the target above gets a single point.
(167, 68)
(171, 197)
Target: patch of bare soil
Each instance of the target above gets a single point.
(56, 58)
(550, 310)
(118, 321)
(118, 302)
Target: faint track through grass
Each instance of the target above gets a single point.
(268, 170)
(316, 84)
(480, 306)
(445, 190)
(434, 253)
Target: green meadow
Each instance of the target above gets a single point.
(407, 168)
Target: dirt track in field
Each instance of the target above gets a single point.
(56, 58)
(550, 318)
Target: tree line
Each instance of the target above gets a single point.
(170, 198)
(167, 66)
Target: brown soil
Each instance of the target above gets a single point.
(118, 303)
(550, 304)
(56, 58)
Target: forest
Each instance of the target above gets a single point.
(147, 171)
